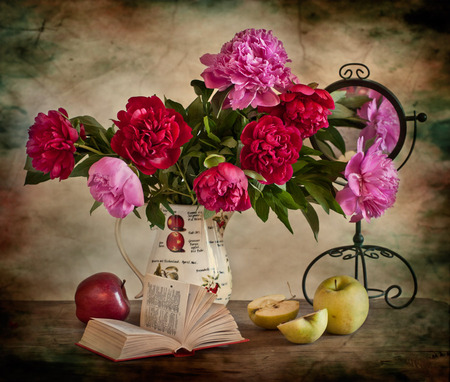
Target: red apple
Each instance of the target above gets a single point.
(175, 223)
(175, 242)
(102, 295)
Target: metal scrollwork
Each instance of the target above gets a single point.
(361, 71)
(359, 253)
(354, 76)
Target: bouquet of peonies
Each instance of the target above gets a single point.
(238, 145)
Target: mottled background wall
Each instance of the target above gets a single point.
(91, 56)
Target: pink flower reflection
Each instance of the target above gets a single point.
(382, 121)
(372, 183)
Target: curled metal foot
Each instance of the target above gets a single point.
(359, 253)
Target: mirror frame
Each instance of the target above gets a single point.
(362, 81)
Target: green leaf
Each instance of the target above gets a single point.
(91, 125)
(338, 95)
(309, 151)
(355, 122)
(355, 102)
(319, 194)
(194, 113)
(201, 89)
(178, 107)
(340, 111)
(332, 135)
(136, 213)
(312, 219)
(282, 215)
(82, 168)
(277, 207)
(211, 135)
(254, 175)
(95, 206)
(167, 206)
(229, 142)
(29, 164)
(286, 199)
(262, 209)
(225, 151)
(154, 215)
(218, 100)
(36, 177)
(208, 213)
(326, 149)
(300, 164)
(213, 160)
(297, 194)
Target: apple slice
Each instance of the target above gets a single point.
(270, 311)
(306, 329)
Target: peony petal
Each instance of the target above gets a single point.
(212, 81)
(267, 99)
(347, 200)
(132, 191)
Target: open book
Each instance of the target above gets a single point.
(176, 318)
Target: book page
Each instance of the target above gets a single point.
(164, 306)
(217, 325)
(121, 340)
(200, 300)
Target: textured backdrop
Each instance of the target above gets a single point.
(90, 57)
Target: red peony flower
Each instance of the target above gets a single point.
(303, 107)
(223, 187)
(51, 144)
(150, 135)
(270, 149)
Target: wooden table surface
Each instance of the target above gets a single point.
(411, 344)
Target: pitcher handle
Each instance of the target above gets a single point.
(118, 235)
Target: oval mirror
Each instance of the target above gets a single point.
(363, 108)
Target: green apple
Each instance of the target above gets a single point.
(347, 303)
(270, 311)
(306, 329)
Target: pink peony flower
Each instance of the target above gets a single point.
(115, 184)
(382, 122)
(149, 134)
(303, 107)
(270, 149)
(254, 62)
(223, 187)
(372, 183)
(51, 144)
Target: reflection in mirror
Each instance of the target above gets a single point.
(359, 112)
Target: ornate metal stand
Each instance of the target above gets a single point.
(356, 75)
(359, 252)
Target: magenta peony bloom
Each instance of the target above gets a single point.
(270, 149)
(115, 184)
(303, 107)
(223, 187)
(149, 134)
(382, 122)
(51, 144)
(372, 183)
(254, 62)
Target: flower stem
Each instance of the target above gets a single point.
(179, 193)
(187, 184)
(89, 149)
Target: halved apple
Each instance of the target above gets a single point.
(306, 329)
(270, 311)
